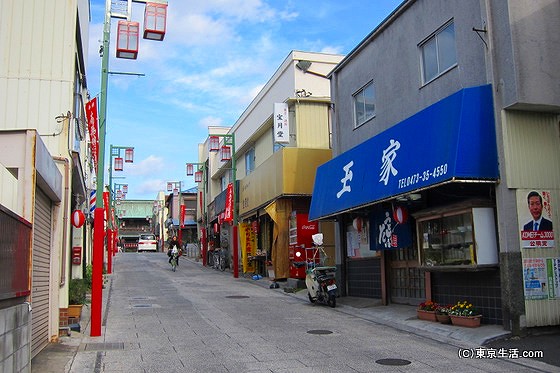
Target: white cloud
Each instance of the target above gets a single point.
(146, 166)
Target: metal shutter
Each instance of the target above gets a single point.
(40, 286)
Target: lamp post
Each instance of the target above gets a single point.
(175, 186)
(115, 152)
(228, 153)
(200, 177)
(99, 226)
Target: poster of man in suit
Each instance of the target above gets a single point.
(536, 223)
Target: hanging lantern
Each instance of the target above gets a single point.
(155, 16)
(127, 39)
(129, 155)
(119, 194)
(198, 177)
(214, 143)
(400, 214)
(225, 153)
(119, 164)
(169, 187)
(190, 169)
(78, 218)
(125, 188)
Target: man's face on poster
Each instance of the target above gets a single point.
(535, 207)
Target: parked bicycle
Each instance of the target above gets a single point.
(220, 259)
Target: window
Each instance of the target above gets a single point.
(438, 52)
(364, 105)
(249, 161)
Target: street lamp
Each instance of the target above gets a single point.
(99, 226)
(227, 153)
(199, 178)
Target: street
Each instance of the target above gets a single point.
(202, 320)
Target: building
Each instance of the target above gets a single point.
(135, 217)
(43, 169)
(181, 215)
(434, 144)
(274, 148)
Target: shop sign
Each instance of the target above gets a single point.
(248, 240)
(281, 123)
(228, 212)
(387, 232)
(454, 139)
(92, 121)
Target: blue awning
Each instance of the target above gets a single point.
(453, 139)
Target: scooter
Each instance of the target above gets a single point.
(320, 280)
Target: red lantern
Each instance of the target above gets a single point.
(118, 164)
(155, 16)
(214, 143)
(198, 177)
(78, 218)
(400, 214)
(129, 155)
(225, 153)
(190, 169)
(127, 39)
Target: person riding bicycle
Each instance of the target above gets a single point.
(174, 250)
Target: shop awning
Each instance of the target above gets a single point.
(451, 140)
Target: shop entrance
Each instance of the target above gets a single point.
(406, 280)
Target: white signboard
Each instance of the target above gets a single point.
(281, 123)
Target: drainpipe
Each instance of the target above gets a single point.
(65, 214)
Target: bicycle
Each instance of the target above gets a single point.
(220, 259)
(174, 262)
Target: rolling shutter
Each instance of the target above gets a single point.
(40, 287)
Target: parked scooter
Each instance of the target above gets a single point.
(320, 280)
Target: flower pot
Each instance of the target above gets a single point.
(444, 319)
(468, 321)
(426, 315)
(75, 311)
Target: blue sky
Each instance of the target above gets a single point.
(215, 58)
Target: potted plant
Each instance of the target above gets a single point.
(77, 292)
(442, 314)
(464, 313)
(427, 311)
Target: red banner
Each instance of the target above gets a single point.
(92, 120)
(183, 210)
(106, 205)
(228, 213)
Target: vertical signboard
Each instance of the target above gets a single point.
(92, 120)
(281, 123)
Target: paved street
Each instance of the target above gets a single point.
(201, 320)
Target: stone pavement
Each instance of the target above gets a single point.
(58, 357)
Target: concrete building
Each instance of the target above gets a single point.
(278, 142)
(442, 114)
(43, 169)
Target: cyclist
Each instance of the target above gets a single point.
(174, 248)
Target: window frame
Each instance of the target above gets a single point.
(250, 166)
(434, 38)
(357, 121)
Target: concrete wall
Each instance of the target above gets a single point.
(15, 339)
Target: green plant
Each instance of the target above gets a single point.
(463, 308)
(77, 291)
(427, 306)
(88, 275)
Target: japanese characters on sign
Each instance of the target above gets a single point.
(281, 123)
(92, 120)
(535, 218)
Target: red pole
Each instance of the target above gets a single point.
(203, 249)
(97, 273)
(110, 251)
(235, 253)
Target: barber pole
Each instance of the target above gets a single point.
(92, 200)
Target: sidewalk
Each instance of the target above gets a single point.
(59, 357)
